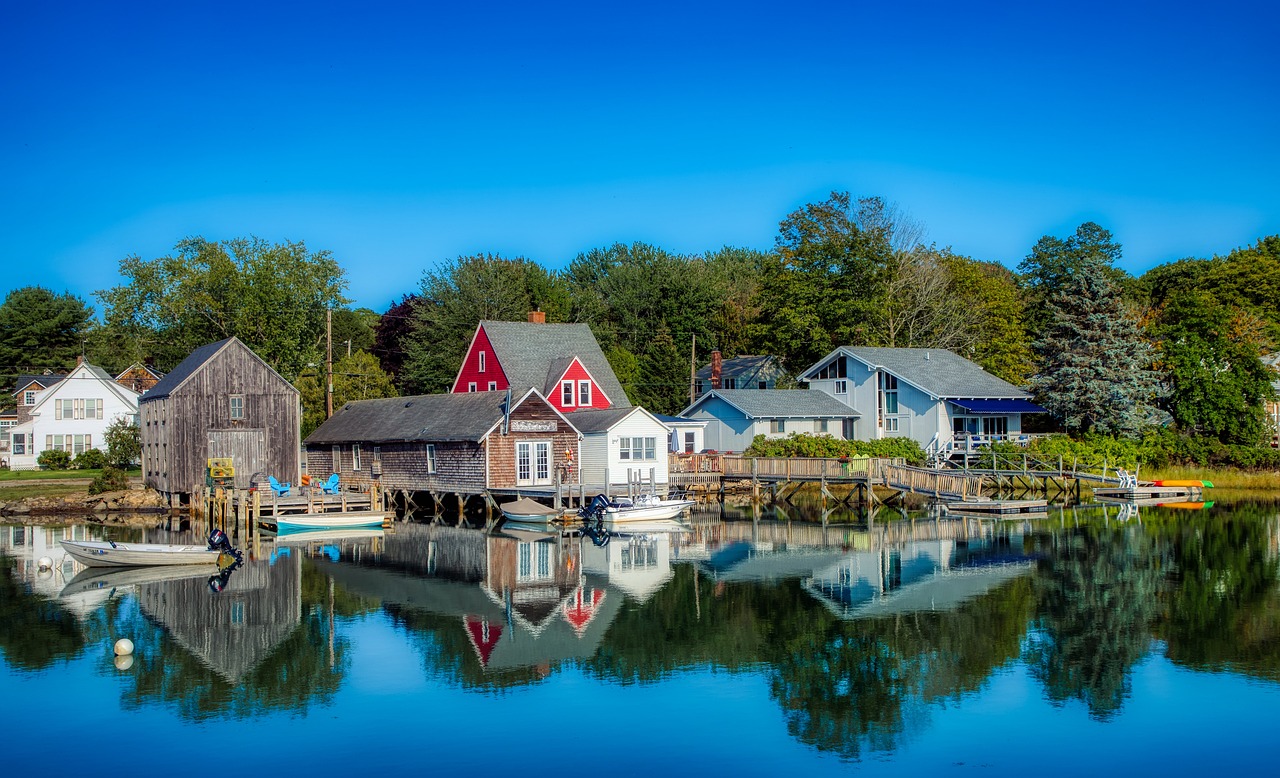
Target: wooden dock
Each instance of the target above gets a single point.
(250, 509)
(997, 507)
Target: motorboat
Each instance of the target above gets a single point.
(623, 510)
(108, 553)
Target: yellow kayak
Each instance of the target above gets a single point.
(1202, 484)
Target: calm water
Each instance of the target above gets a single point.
(1112, 643)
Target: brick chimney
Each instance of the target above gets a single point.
(716, 364)
(537, 317)
(79, 360)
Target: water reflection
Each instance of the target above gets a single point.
(861, 631)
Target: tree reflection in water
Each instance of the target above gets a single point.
(35, 631)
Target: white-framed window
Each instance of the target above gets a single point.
(566, 394)
(481, 367)
(637, 448)
(355, 457)
(688, 442)
(377, 453)
(584, 394)
(533, 462)
(19, 443)
(29, 397)
(842, 387)
(431, 458)
(237, 407)
(493, 386)
(995, 426)
(821, 425)
(836, 368)
(888, 402)
(777, 426)
(337, 459)
(471, 386)
(891, 424)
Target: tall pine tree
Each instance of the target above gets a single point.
(1095, 371)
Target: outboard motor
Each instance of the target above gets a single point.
(218, 541)
(229, 557)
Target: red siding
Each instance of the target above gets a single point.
(470, 371)
(576, 373)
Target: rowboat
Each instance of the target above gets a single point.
(527, 511)
(107, 553)
(348, 520)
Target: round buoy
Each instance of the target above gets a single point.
(124, 662)
(45, 563)
(124, 647)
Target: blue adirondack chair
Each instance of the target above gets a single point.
(281, 490)
(330, 486)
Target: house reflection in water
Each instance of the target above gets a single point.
(521, 598)
(639, 564)
(234, 631)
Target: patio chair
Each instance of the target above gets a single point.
(330, 486)
(280, 490)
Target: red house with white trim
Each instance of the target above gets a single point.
(562, 361)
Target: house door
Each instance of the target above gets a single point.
(247, 450)
(533, 463)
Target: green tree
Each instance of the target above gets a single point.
(1053, 262)
(460, 294)
(1217, 382)
(1000, 344)
(355, 377)
(274, 297)
(391, 337)
(354, 330)
(124, 442)
(40, 330)
(1095, 372)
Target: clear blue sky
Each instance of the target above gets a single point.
(403, 134)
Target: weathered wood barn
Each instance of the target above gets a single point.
(474, 444)
(222, 401)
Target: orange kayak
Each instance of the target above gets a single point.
(1190, 506)
(1203, 484)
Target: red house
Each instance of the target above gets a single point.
(562, 361)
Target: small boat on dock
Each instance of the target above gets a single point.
(529, 511)
(288, 522)
(107, 553)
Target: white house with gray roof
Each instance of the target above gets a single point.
(622, 446)
(73, 414)
(933, 396)
(735, 416)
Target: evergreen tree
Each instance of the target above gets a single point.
(1095, 374)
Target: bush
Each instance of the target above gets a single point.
(54, 459)
(91, 459)
(111, 479)
(806, 445)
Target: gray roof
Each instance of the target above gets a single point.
(185, 369)
(424, 418)
(535, 355)
(780, 403)
(744, 366)
(937, 371)
(598, 421)
(44, 380)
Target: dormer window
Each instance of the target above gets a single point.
(566, 394)
(584, 394)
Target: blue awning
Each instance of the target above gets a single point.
(999, 406)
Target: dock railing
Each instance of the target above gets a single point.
(807, 468)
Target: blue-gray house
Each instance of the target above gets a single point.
(735, 416)
(933, 396)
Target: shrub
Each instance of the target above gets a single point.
(54, 459)
(91, 459)
(806, 445)
(111, 479)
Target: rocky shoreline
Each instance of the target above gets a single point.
(124, 507)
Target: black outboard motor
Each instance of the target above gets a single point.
(218, 541)
(593, 520)
(229, 557)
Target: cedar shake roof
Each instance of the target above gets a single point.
(530, 353)
(468, 417)
(936, 371)
(779, 404)
(44, 381)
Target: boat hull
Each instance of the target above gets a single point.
(667, 509)
(107, 554)
(355, 520)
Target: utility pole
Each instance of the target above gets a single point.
(693, 368)
(328, 363)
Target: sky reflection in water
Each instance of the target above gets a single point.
(1075, 644)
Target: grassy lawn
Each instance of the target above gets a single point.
(40, 490)
(61, 475)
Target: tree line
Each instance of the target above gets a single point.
(1180, 346)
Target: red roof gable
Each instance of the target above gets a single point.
(480, 367)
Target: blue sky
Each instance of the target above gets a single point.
(400, 135)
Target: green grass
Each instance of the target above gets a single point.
(1220, 478)
(61, 475)
(8, 493)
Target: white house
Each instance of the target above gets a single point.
(735, 416)
(686, 436)
(73, 415)
(621, 446)
(930, 395)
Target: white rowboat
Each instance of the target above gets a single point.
(106, 553)
(349, 520)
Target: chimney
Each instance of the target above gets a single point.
(537, 317)
(79, 360)
(715, 369)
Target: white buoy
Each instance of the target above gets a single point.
(45, 563)
(124, 647)
(124, 662)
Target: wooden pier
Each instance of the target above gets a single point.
(250, 509)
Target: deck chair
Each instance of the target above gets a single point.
(280, 490)
(1127, 480)
(330, 486)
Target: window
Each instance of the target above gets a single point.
(336, 464)
(762, 385)
(822, 425)
(777, 426)
(29, 398)
(19, 443)
(566, 393)
(730, 383)
(637, 449)
(481, 361)
(836, 368)
(355, 457)
(493, 386)
(688, 443)
(377, 453)
(888, 402)
(842, 387)
(237, 407)
(995, 425)
(431, 458)
(93, 408)
(471, 386)
(584, 393)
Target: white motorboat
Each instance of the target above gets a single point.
(623, 510)
(107, 553)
